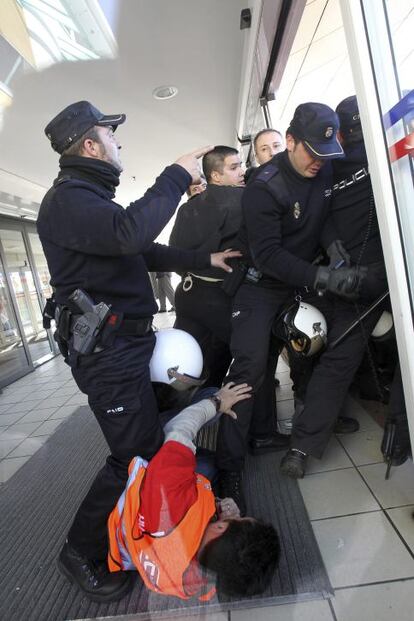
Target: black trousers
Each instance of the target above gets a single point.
(332, 375)
(205, 311)
(254, 311)
(120, 394)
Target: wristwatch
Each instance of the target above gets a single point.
(217, 402)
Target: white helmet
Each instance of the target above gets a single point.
(176, 360)
(303, 328)
(384, 327)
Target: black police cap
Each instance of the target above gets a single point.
(349, 120)
(316, 125)
(70, 124)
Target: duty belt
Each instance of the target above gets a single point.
(128, 327)
(188, 280)
(135, 327)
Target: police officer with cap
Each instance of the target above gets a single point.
(284, 211)
(353, 217)
(99, 255)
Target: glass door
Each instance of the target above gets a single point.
(27, 299)
(14, 361)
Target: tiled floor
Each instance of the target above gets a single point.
(362, 522)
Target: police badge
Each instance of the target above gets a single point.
(329, 132)
(296, 210)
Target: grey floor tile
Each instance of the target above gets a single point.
(284, 378)
(362, 549)
(25, 406)
(334, 458)
(398, 490)
(79, 399)
(38, 395)
(282, 366)
(364, 447)
(21, 431)
(53, 402)
(402, 518)
(68, 390)
(379, 602)
(317, 610)
(37, 415)
(28, 447)
(285, 409)
(7, 399)
(284, 392)
(9, 466)
(9, 419)
(64, 411)
(47, 428)
(7, 446)
(321, 502)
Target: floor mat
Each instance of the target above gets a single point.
(38, 504)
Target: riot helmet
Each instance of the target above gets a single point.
(177, 360)
(303, 328)
(384, 328)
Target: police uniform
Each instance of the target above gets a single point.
(353, 217)
(93, 244)
(283, 219)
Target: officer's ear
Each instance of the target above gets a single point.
(340, 137)
(290, 143)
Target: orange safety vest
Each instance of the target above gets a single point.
(161, 560)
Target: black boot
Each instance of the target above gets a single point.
(93, 577)
(230, 486)
(346, 424)
(293, 464)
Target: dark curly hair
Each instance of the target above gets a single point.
(244, 558)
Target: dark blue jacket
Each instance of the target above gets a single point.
(92, 243)
(284, 216)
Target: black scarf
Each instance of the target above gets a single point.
(90, 169)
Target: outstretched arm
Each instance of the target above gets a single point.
(183, 428)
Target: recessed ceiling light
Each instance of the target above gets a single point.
(164, 92)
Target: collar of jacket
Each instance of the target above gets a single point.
(89, 169)
(220, 195)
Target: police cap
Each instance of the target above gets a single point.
(76, 119)
(349, 120)
(316, 125)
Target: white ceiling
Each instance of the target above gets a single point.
(195, 45)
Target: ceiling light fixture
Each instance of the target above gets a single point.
(164, 92)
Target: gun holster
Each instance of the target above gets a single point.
(63, 318)
(49, 312)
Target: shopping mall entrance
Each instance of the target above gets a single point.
(24, 287)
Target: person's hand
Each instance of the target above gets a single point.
(232, 393)
(190, 163)
(227, 508)
(344, 282)
(218, 259)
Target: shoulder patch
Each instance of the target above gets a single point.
(268, 172)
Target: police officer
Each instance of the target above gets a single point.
(358, 243)
(284, 211)
(103, 251)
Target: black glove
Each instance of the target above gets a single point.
(345, 281)
(338, 256)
